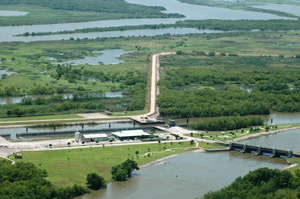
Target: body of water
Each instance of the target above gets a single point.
(5, 72)
(291, 9)
(9, 13)
(17, 100)
(288, 140)
(195, 12)
(107, 57)
(110, 34)
(108, 125)
(186, 176)
(199, 12)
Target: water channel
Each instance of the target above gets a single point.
(186, 176)
(291, 9)
(17, 100)
(172, 6)
(199, 12)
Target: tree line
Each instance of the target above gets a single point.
(261, 183)
(24, 180)
(228, 123)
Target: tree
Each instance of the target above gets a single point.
(120, 171)
(192, 142)
(94, 181)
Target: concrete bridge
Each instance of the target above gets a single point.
(259, 150)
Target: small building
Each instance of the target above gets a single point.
(94, 137)
(133, 134)
(77, 136)
(18, 156)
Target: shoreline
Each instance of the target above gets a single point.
(263, 134)
(161, 160)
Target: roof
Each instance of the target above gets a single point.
(133, 133)
(95, 136)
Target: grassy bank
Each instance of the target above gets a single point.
(66, 167)
(238, 133)
(295, 160)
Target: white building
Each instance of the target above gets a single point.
(94, 137)
(133, 134)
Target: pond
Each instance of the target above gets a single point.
(107, 57)
(9, 13)
(291, 9)
(186, 176)
(6, 72)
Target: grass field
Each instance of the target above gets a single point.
(66, 167)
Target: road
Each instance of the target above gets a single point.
(154, 79)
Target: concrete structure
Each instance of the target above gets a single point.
(259, 150)
(94, 137)
(77, 136)
(133, 134)
(13, 136)
(147, 120)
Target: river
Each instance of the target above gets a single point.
(193, 174)
(291, 9)
(172, 6)
(186, 176)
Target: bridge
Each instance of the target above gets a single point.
(259, 150)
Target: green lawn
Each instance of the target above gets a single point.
(64, 172)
